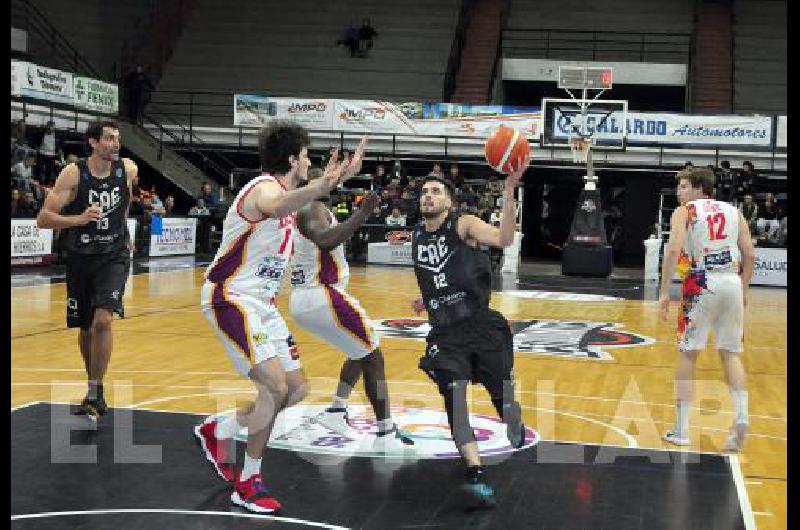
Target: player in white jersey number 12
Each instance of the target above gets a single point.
(238, 300)
(715, 238)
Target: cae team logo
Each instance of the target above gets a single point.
(574, 339)
(296, 430)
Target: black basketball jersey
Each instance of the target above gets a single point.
(454, 278)
(110, 232)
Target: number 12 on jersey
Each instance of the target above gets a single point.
(716, 221)
(440, 281)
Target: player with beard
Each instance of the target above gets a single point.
(89, 202)
(468, 341)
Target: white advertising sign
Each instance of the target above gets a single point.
(661, 128)
(771, 267)
(780, 136)
(95, 95)
(258, 110)
(177, 237)
(45, 83)
(388, 254)
(29, 240)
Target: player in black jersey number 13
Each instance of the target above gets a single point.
(468, 342)
(89, 203)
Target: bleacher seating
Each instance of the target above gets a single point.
(760, 56)
(288, 47)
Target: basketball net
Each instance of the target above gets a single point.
(580, 149)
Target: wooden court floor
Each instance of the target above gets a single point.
(167, 358)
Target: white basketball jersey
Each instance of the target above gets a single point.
(254, 254)
(312, 266)
(712, 242)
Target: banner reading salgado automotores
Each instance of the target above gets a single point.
(679, 129)
(177, 237)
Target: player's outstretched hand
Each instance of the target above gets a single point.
(517, 170)
(354, 165)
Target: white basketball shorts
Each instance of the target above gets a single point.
(711, 301)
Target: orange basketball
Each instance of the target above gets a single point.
(505, 147)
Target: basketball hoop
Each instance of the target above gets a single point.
(580, 149)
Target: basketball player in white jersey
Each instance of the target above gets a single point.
(238, 300)
(715, 238)
(321, 305)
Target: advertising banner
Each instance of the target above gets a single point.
(662, 128)
(258, 110)
(44, 83)
(30, 245)
(771, 267)
(96, 96)
(177, 237)
(389, 254)
(780, 136)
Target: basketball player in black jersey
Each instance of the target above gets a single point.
(468, 342)
(89, 203)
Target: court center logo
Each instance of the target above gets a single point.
(559, 338)
(298, 429)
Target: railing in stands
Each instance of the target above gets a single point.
(61, 53)
(595, 45)
(454, 60)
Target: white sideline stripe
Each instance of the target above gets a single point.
(741, 491)
(179, 512)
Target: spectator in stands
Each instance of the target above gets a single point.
(399, 173)
(469, 196)
(350, 39)
(495, 187)
(19, 145)
(394, 189)
(781, 239)
(199, 209)
(169, 206)
(408, 206)
(366, 34)
(376, 217)
(24, 168)
(26, 207)
(15, 201)
(688, 164)
(48, 153)
(726, 183)
(455, 176)
(158, 206)
(381, 178)
(137, 208)
(396, 219)
(768, 218)
(749, 210)
(139, 87)
(746, 179)
(209, 197)
(436, 171)
(486, 201)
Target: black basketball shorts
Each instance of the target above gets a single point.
(479, 349)
(95, 281)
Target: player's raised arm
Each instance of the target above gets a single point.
(473, 228)
(314, 224)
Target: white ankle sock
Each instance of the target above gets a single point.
(682, 418)
(227, 427)
(339, 403)
(740, 406)
(252, 466)
(385, 425)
